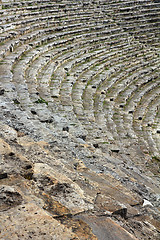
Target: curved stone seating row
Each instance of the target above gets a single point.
(128, 105)
(10, 45)
(80, 86)
(135, 15)
(23, 13)
(120, 104)
(90, 79)
(65, 8)
(98, 102)
(35, 45)
(48, 20)
(54, 87)
(80, 71)
(14, 24)
(139, 114)
(129, 122)
(43, 41)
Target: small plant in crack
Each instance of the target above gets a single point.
(41, 100)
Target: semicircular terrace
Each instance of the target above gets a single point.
(84, 76)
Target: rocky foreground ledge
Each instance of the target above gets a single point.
(41, 197)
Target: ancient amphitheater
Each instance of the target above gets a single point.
(79, 119)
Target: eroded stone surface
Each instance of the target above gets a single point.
(28, 221)
(61, 188)
(107, 228)
(52, 201)
(9, 197)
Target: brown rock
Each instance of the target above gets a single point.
(31, 222)
(61, 188)
(106, 228)
(4, 147)
(9, 197)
